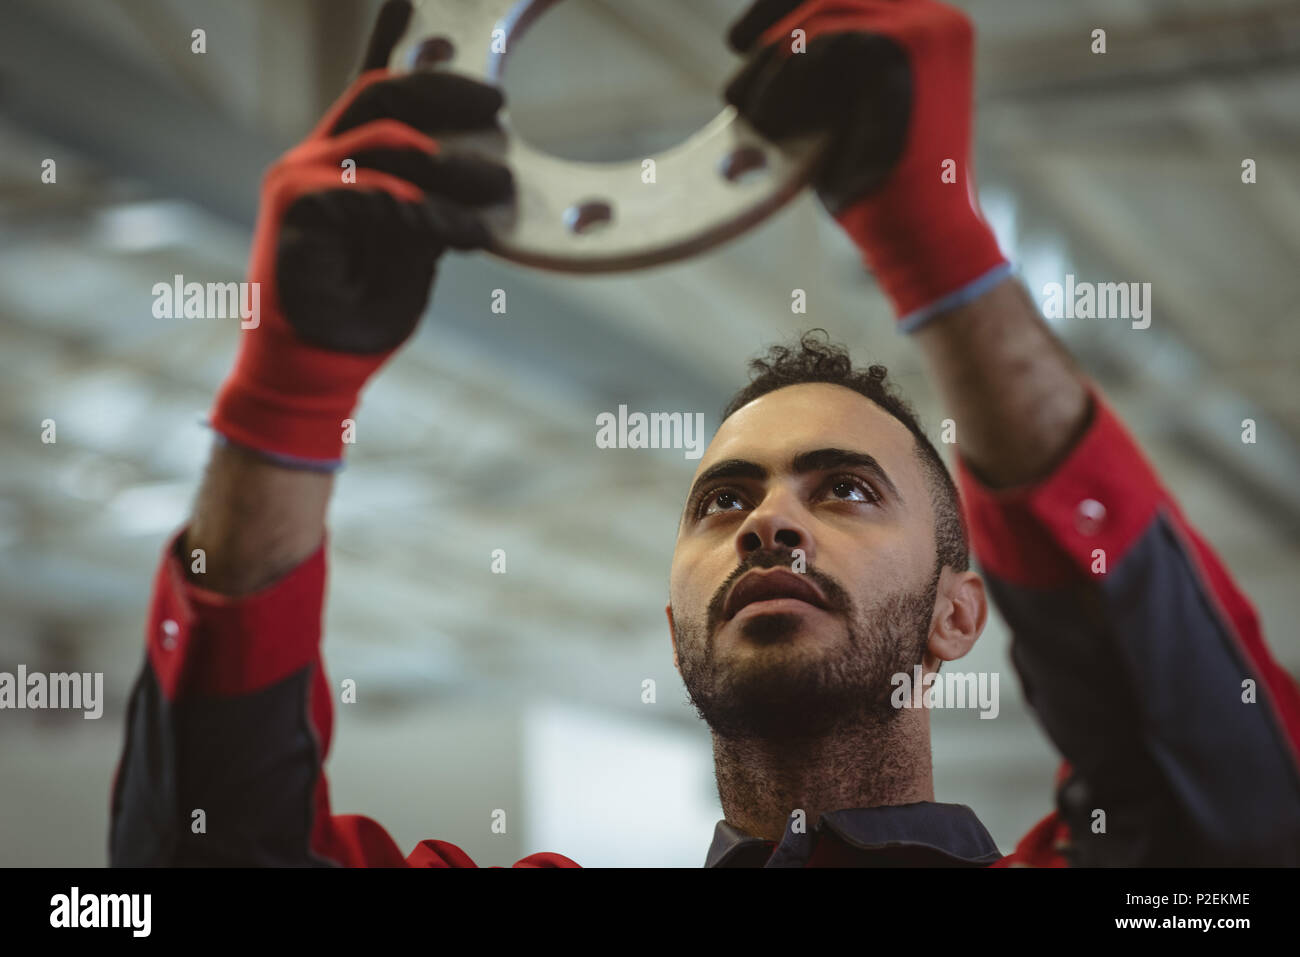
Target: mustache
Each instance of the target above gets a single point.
(837, 597)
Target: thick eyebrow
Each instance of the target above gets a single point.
(816, 460)
(823, 460)
(726, 469)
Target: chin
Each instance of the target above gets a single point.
(785, 634)
(770, 629)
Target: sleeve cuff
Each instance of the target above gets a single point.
(1046, 533)
(201, 643)
(326, 466)
(958, 297)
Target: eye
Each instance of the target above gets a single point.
(851, 488)
(726, 498)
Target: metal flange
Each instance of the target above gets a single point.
(587, 217)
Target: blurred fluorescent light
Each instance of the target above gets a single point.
(611, 791)
(999, 208)
(91, 477)
(1042, 261)
(153, 224)
(150, 509)
(108, 411)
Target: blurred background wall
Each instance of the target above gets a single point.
(523, 691)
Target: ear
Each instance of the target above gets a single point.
(960, 611)
(672, 633)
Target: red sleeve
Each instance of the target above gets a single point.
(204, 644)
(1144, 661)
(232, 714)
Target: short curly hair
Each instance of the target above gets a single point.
(816, 359)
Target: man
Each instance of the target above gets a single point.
(821, 550)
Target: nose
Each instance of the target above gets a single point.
(779, 522)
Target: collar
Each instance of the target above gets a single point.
(924, 833)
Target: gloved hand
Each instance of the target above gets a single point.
(891, 81)
(346, 268)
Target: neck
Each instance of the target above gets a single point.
(879, 761)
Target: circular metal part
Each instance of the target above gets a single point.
(586, 217)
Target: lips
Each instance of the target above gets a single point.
(777, 583)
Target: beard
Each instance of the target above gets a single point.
(787, 689)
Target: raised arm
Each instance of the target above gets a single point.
(229, 722)
(1141, 657)
(1021, 402)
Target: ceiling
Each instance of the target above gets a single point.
(1119, 167)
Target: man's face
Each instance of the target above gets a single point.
(819, 476)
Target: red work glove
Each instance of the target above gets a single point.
(891, 81)
(345, 269)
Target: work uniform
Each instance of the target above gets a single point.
(1142, 659)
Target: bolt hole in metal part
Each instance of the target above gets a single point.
(742, 163)
(582, 217)
(589, 216)
(433, 51)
